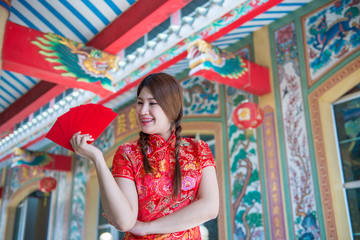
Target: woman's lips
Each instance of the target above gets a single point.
(146, 121)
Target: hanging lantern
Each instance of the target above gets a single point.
(47, 184)
(248, 115)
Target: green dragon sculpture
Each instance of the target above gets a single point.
(218, 65)
(84, 63)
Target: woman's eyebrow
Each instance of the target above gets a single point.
(152, 98)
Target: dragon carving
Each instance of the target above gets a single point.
(76, 60)
(30, 158)
(218, 65)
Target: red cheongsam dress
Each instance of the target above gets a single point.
(155, 190)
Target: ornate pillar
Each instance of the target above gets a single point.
(4, 15)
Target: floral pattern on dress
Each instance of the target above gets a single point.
(156, 189)
(188, 183)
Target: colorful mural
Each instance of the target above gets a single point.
(18, 180)
(332, 33)
(78, 199)
(205, 33)
(61, 208)
(125, 122)
(201, 97)
(33, 136)
(323, 164)
(5, 200)
(246, 203)
(273, 178)
(300, 175)
(224, 67)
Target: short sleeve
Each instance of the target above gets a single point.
(206, 156)
(122, 166)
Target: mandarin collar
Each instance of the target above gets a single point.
(157, 142)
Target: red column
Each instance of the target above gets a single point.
(4, 15)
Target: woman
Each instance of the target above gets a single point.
(162, 186)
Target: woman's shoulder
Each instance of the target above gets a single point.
(130, 143)
(128, 146)
(192, 142)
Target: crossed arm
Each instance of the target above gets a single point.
(205, 208)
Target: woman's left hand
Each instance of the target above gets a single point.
(140, 228)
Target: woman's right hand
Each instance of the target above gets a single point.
(84, 149)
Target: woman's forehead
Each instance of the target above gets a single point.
(145, 93)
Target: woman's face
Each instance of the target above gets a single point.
(150, 116)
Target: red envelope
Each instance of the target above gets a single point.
(82, 111)
(96, 120)
(56, 135)
(72, 119)
(89, 119)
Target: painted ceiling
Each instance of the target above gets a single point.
(85, 21)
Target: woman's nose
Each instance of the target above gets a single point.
(144, 109)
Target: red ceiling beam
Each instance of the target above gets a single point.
(22, 56)
(122, 32)
(131, 25)
(210, 38)
(29, 103)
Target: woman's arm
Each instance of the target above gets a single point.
(206, 207)
(119, 197)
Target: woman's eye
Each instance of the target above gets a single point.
(153, 103)
(139, 103)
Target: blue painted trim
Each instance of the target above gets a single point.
(131, 2)
(41, 17)
(264, 19)
(250, 26)
(18, 80)
(31, 80)
(79, 16)
(64, 21)
(2, 106)
(8, 93)
(12, 86)
(96, 12)
(277, 12)
(24, 19)
(292, 4)
(113, 6)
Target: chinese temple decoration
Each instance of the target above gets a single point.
(30, 158)
(86, 64)
(59, 60)
(247, 115)
(47, 184)
(218, 65)
(40, 160)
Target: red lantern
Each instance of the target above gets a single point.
(248, 115)
(47, 184)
